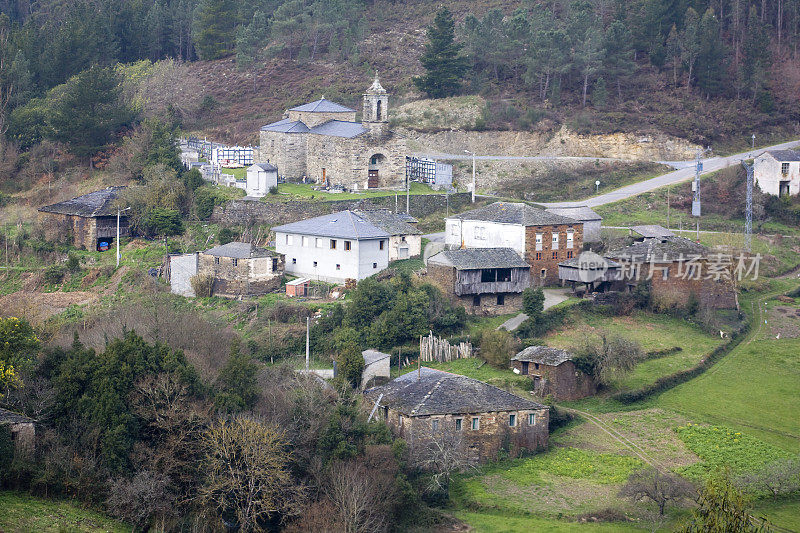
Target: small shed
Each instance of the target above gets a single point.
(298, 287)
(261, 178)
(377, 365)
(91, 219)
(21, 429)
(553, 373)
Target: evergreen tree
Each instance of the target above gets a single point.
(587, 42)
(618, 61)
(710, 67)
(444, 65)
(753, 70)
(673, 51)
(249, 44)
(215, 28)
(548, 54)
(690, 43)
(236, 386)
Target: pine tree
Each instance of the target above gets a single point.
(690, 43)
(215, 28)
(618, 61)
(673, 51)
(443, 64)
(710, 68)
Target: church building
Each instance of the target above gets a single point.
(322, 141)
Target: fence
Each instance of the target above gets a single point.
(433, 348)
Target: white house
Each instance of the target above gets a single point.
(261, 177)
(333, 248)
(777, 172)
(405, 240)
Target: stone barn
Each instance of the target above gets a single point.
(485, 280)
(21, 430)
(322, 141)
(89, 219)
(553, 373)
(429, 404)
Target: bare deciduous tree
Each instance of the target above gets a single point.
(607, 359)
(141, 499)
(777, 478)
(442, 453)
(359, 497)
(656, 486)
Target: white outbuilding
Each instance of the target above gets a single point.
(777, 172)
(261, 177)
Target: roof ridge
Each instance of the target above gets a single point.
(427, 395)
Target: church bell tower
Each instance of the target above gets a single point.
(376, 108)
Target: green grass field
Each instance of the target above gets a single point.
(22, 513)
(305, 191)
(490, 522)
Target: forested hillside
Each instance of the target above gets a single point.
(703, 70)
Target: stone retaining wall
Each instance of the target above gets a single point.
(246, 212)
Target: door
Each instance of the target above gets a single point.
(525, 368)
(372, 182)
(784, 189)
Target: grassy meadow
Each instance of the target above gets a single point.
(22, 513)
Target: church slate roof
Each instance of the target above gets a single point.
(391, 223)
(543, 355)
(669, 249)
(433, 392)
(342, 224)
(239, 250)
(286, 126)
(475, 258)
(323, 106)
(515, 213)
(339, 128)
(95, 204)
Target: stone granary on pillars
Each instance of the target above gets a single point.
(89, 219)
(323, 141)
(237, 269)
(428, 404)
(777, 172)
(543, 239)
(553, 373)
(21, 430)
(484, 280)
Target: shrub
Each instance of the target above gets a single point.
(226, 235)
(54, 274)
(497, 347)
(203, 285)
(73, 264)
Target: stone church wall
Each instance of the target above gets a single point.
(287, 151)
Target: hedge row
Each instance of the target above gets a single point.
(668, 382)
(657, 354)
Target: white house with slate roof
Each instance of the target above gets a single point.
(405, 240)
(322, 141)
(777, 172)
(333, 248)
(261, 177)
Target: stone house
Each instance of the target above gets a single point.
(334, 248)
(405, 240)
(592, 222)
(377, 367)
(89, 219)
(777, 172)
(323, 141)
(238, 269)
(261, 178)
(22, 431)
(677, 270)
(553, 373)
(428, 404)
(485, 280)
(543, 239)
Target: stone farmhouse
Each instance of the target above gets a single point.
(485, 280)
(261, 178)
(543, 239)
(777, 172)
(322, 141)
(428, 404)
(90, 219)
(377, 367)
(553, 373)
(238, 269)
(22, 431)
(341, 246)
(591, 220)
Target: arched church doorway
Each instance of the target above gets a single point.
(377, 165)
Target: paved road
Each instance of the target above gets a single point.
(685, 174)
(465, 157)
(551, 297)
(435, 237)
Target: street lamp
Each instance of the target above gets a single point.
(473, 173)
(597, 186)
(118, 212)
(754, 141)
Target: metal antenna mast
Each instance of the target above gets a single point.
(748, 211)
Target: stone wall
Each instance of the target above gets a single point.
(546, 261)
(564, 382)
(312, 118)
(674, 291)
(245, 212)
(241, 277)
(287, 151)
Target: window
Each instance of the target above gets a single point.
(543, 273)
(381, 244)
(665, 273)
(538, 256)
(338, 266)
(289, 239)
(304, 242)
(476, 423)
(274, 265)
(435, 425)
(374, 265)
(569, 254)
(459, 424)
(487, 275)
(531, 419)
(512, 420)
(501, 299)
(333, 244)
(555, 241)
(319, 242)
(476, 300)
(315, 264)
(503, 274)
(378, 110)
(539, 239)
(216, 260)
(347, 246)
(555, 255)
(294, 260)
(570, 238)
(480, 234)
(785, 168)
(235, 262)
(453, 230)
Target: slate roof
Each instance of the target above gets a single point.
(543, 355)
(438, 393)
(239, 250)
(339, 128)
(376, 87)
(474, 258)
(10, 417)
(575, 262)
(95, 204)
(373, 356)
(670, 249)
(652, 231)
(286, 126)
(391, 223)
(785, 155)
(342, 224)
(323, 106)
(264, 166)
(515, 213)
(581, 213)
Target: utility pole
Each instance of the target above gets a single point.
(698, 168)
(748, 211)
(667, 207)
(473, 173)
